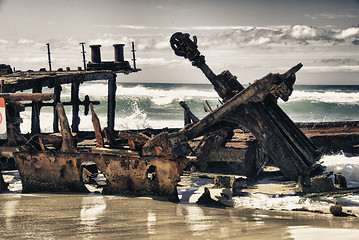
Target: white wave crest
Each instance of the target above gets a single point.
(137, 120)
(163, 97)
(348, 166)
(98, 91)
(326, 97)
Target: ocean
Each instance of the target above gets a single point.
(149, 105)
(156, 105)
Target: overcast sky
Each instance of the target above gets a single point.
(248, 38)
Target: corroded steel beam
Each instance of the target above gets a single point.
(97, 127)
(13, 97)
(68, 141)
(20, 81)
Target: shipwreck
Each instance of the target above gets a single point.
(150, 162)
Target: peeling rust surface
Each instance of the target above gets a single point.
(50, 172)
(146, 176)
(125, 175)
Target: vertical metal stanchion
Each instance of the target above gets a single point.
(134, 56)
(83, 54)
(48, 55)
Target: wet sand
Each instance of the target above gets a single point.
(96, 216)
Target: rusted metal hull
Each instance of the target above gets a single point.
(125, 175)
(50, 172)
(154, 176)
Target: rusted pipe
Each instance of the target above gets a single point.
(95, 53)
(118, 52)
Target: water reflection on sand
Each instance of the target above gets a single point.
(94, 216)
(92, 209)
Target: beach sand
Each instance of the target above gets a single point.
(261, 215)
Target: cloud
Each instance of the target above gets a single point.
(3, 41)
(28, 59)
(131, 27)
(297, 39)
(259, 41)
(270, 36)
(158, 61)
(341, 68)
(346, 61)
(303, 32)
(24, 41)
(102, 26)
(138, 27)
(162, 7)
(208, 28)
(223, 37)
(347, 33)
(107, 40)
(234, 36)
(162, 45)
(337, 16)
(311, 17)
(143, 42)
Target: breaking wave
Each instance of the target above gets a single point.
(156, 105)
(348, 166)
(341, 98)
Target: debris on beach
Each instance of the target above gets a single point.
(3, 184)
(337, 211)
(207, 200)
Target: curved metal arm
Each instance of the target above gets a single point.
(183, 46)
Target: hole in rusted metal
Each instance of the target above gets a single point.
(151, 172)
(93, 179)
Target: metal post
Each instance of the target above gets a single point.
(83, 54)
(134, 55)
(111, 102)
(48, 54)
(75, 86)
(57, 92)
(35, 111)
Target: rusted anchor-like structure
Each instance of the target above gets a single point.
(254, 108)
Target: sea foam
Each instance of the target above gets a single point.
(348, 166)
(326, 97)
(165, 96)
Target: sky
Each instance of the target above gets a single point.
(248, 38)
